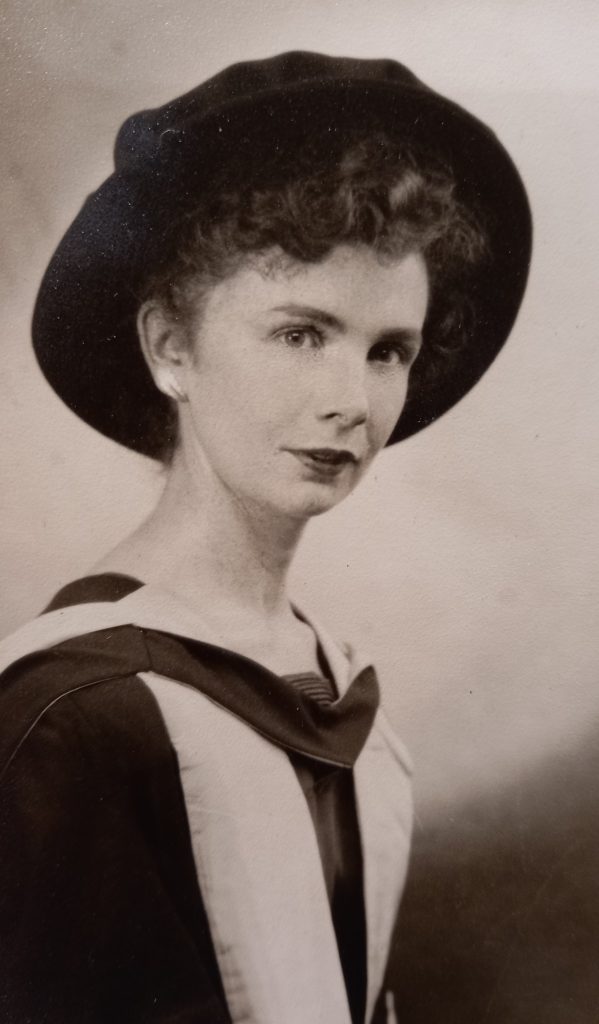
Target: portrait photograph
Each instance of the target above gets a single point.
(299, 512)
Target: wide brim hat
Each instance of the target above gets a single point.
(230, 128)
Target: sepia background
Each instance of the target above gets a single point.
(467, 562)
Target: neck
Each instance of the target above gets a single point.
(201, 539)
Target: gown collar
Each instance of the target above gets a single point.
(179, 644)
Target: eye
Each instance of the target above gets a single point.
(301, 337)
(400, 352)
(389, 353)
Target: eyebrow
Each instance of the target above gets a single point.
(408, 334)
(312, 313)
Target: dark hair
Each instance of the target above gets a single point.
(373, 192)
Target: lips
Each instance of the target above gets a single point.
(331, 456)
(326, 461)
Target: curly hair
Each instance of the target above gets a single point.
(374, 192)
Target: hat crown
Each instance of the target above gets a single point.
(141, 135)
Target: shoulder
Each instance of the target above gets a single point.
(393, 742)
(86, 687)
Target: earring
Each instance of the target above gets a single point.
(170, 386)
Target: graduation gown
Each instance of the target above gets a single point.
(108, 909)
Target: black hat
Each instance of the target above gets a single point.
(84, 331)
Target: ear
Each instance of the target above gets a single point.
(164, 345)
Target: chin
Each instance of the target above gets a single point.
(314, 501)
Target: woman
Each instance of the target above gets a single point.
(205, 814)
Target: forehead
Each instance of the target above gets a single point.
(352, 283)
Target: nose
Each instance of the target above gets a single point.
(344, 394)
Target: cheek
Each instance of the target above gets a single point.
(387, 403)
(240, 413)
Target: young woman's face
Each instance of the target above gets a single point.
(299, 373)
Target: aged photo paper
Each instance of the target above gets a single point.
(465, 564)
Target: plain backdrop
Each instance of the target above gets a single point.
(467, 562)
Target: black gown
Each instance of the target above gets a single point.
(101, 916)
